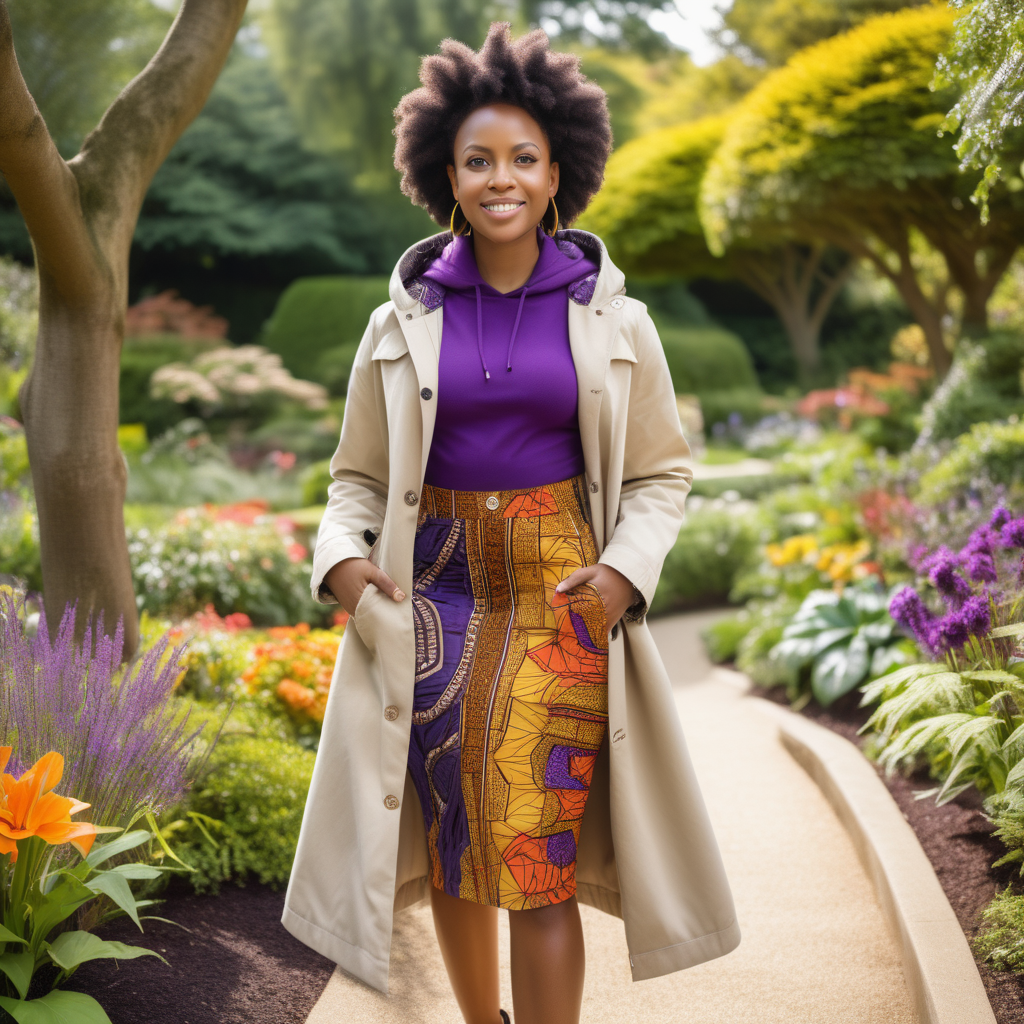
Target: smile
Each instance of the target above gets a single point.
(503, 207)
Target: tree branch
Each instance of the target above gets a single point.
(118, 159)
(45, 189)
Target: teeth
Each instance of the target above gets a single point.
(503, 207)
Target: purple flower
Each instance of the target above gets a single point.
(1000, 517)
(124, 744)
(1012, 534)
(955, 629)
(953, 587)
(981, 568)
(952, 631)
(977, 615)
(907, 608)
(940, 556)
(982, 541)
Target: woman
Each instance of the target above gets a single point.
(502, 502)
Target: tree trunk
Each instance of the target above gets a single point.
(81, 215)
(785, 278)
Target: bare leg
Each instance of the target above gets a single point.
(547, 964)
(468, 936)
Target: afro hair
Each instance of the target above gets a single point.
(572, 111)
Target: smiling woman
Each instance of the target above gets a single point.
(511, 459)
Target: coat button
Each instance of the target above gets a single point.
(408, 316)
(411, 498)
(492, 503)
(600, 312)
(616, 303)
(593, 487)
(426, 394)
(391, 712)
(391, 802)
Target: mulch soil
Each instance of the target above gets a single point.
(958, 840)
(234, 965)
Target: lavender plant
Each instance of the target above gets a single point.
(127, 744)
(963, 709)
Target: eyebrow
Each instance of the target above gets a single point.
(487, 149)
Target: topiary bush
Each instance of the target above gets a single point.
(317, 314)
(703, 359)
(251, 796)
(991, 453)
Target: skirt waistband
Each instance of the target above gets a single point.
(521, 502)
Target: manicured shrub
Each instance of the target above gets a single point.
(316, 314)
(703, 359)
(715, 542)
(731, 406)
(722, 638)
(334, 366)
(983, 384)
(991, 453)
(315, 482)
(252, 794)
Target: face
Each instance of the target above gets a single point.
(502, 175)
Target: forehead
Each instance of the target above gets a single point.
(499, 125)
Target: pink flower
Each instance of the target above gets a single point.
(296, 552)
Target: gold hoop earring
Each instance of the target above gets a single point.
(463, 229)
(555, 228)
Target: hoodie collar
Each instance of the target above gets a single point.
(409, 290)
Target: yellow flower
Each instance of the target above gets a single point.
(794, 549)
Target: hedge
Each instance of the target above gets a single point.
(705, 359)
(318, 314)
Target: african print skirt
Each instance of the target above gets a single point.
(511, 696)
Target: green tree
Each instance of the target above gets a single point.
(841, 147)
(771, 31)
(346, 63)
(648, 214)
(81, 215)
(985, 60)
(241, 188)
(76, 57)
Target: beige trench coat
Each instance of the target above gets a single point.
(646, 853)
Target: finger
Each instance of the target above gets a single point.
(384, 583)
(576, 579)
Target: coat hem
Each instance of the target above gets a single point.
(600, 898)
(669, 959)
(351, 959)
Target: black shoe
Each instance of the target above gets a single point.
(505, 1019)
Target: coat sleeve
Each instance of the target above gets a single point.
(358, 493)
(656, 472)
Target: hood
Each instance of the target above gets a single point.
(409, 287)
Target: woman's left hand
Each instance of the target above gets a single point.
(616, 591)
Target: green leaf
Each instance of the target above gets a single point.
(128, 841)
(6, 935)
(19, 967)
(839, 670)
(116, 887)
(70, 949)
(1014, 629)
(56, 1008)
(877, 633)
(992, 676)
(138, 872)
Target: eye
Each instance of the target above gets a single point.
(526, 158)
(476, 161)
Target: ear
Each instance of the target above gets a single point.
(553, 178)
(454, 179)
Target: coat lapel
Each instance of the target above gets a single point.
(423, 338)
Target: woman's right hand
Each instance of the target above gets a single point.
(349, 578)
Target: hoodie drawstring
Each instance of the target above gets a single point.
(515, 327)
(480, 330)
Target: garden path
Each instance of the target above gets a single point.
(815, 947)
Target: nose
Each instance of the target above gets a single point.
(502, 179)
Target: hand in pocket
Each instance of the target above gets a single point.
(616, 591)
(349, 578)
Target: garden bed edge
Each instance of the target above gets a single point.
(938, 965)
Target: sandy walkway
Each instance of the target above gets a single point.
(815, 948)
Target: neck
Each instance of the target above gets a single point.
(506, 266)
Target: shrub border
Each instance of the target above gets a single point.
(938, 965)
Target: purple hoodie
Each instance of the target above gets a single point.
(506, 401)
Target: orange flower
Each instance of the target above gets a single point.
(31, 808)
